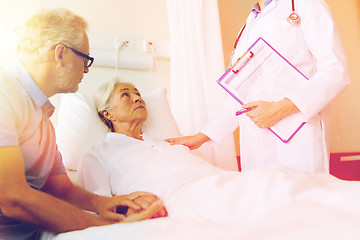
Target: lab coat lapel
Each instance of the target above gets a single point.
(269, 8)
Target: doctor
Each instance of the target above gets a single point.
(310, 41)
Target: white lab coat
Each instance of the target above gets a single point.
(315, 48)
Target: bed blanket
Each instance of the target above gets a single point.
(208, 203)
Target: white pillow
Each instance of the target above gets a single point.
(79, 125)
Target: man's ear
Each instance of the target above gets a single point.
(59, 54)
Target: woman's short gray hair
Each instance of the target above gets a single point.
(50, 27)
(103, 101)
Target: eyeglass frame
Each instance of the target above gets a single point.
(87, 57)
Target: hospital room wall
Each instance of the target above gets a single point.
(345, 113)
(144, 19)
(128, 20)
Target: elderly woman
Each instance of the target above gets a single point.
(126, 147)
(128, 160)
(122, 109)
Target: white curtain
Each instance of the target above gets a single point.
(196, 63)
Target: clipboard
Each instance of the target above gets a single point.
(262, 73)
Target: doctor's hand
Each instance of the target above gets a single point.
(192, 142)
(267, 114)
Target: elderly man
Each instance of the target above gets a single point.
(35, 192)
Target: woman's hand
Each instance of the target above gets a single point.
(139, 206)
(151, 206)
(267, 114)
(192, 142)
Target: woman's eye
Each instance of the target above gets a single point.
(124, 95)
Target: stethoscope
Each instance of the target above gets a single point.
(293, 19)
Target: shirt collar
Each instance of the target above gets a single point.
(48, 108)
(256, 9)
(34, 91)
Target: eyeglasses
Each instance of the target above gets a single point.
(88, 61)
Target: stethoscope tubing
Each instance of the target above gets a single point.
(293, 19)
(293, 5)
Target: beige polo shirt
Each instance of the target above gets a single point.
(24, 122)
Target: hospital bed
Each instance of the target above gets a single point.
(322, 207)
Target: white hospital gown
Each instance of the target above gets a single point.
(119, 157)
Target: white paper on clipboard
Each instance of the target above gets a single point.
(263, 74)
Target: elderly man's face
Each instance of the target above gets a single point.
(70, 76)
(127, 105)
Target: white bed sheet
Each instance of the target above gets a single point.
(288, 222)
(259, 204)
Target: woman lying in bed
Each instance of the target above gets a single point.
(128, 160)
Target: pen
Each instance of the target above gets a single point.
(242, 111)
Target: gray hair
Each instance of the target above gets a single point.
(103, 101)
(50, 27)
(103, 97)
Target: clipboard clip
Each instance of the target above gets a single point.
(242, 61)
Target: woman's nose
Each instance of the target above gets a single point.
(137, 98)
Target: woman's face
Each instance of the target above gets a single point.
(127, 104)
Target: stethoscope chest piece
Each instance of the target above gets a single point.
(293, 18)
